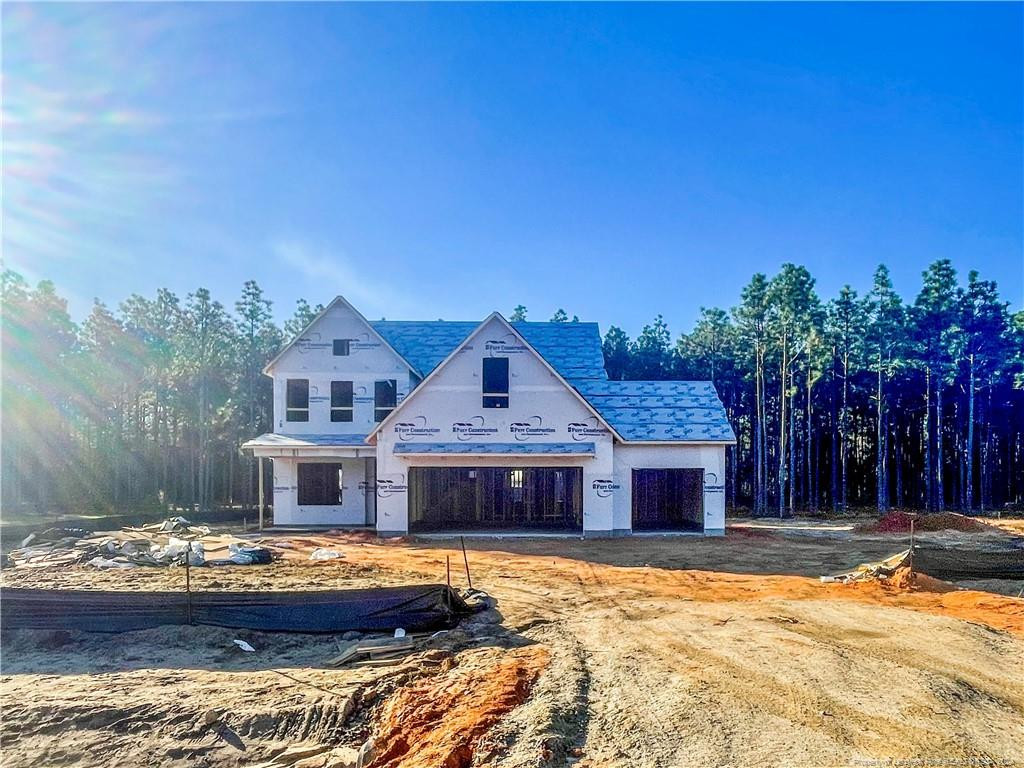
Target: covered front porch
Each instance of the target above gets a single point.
(317, 480)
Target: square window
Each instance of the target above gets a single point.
(320, 484)
(342, 347)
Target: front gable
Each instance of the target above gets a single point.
(313, 349)
(448, 406)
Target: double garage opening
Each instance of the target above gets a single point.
(545, 499)
(496, 498)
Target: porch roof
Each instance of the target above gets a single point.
(278, 444)
(280, 440)
(492, 449)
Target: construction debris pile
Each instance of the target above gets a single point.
(883, 569)
(385, 651)
(995, 559)
(170, 542)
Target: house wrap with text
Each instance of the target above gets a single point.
(434, 426)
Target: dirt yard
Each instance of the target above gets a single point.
(646, 651)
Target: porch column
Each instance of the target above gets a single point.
(260, 473)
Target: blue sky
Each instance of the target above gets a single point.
(445, 160)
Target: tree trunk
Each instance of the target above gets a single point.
(898, 453)
(882, 496)
(986, 446)
(928, 496)
(808, 471)
(969, 450)
(758, 443)
(791, 473)
(844, 431)
(940, 493)
(834, 442)
(782, 431)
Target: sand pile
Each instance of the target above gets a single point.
(904, 578)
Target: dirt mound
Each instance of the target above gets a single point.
(904, 578)
(749, 533)
(438, 721)
(899, 522)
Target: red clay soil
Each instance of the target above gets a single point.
(899, 522)
(438, 721)
(929, 596)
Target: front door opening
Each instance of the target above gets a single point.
(668, 500)
(452, 498)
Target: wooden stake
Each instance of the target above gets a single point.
(188, 585)
(912, 546)
(465, 560)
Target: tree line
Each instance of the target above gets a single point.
(851, 402)
(857, 401)
(142, 407)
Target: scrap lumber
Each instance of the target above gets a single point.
(376, 649)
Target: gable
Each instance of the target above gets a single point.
(449, 402)
(313, 349)
(572, 349)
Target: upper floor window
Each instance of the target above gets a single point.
(297, 400)
(385, 398)
(341, 401)
(341, 347)
(495, 382)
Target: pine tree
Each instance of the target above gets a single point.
(982, 344)
(886, 345)
(793, 304)
(847, 325)
(935, 315)
(303, 316)
(752, 317)
(616, 353)
(254, 328)
(650, 353)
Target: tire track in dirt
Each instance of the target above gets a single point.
(667, 732)
(807, 702)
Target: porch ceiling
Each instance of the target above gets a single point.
(492, 449)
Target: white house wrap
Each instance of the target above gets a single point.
(496, 426)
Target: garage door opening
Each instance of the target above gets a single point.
(668, 500)
(495, 498)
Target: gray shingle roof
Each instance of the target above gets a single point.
(660, 410)
(572, 349)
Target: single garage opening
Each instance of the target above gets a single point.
(494, 498)
(668, 500)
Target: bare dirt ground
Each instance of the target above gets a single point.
(630, 652)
